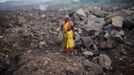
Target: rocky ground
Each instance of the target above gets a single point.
(30, 43)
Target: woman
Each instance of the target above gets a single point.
(68, 34)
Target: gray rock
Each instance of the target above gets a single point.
(117, 34)
(99, 13)
(105, 61)
(87, 41)
(77, 36)
(132, 8)
(105, 44)
(108, 28)
(94, 23)
(60, 38)
(129, 22)
(80, 31)
(92, 67)
(81, 13)
(106, 35)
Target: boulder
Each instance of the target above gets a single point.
(106, 35)
(88, 53)
(117, 35)
(132, 8)
(108, 28)
(129, 22)
(81, 13)
(41, 44)
(87, 41)
(117, 21)
(92, 67)
(99, 13)
(121, 13)
(95, 10)
(105, 61)
(1, 37)
(105, 44)
(60, 38)
(77, 37)
(78, 30)
(94, 23)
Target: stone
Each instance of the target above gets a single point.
(105, 44)
(129, 22)
(87, 41)
(99, 13)
(43, 16)
(117, 34)
(132, 8)
(81, 13)
(60, 37)
(105, 61)
(108, 28)
(94, 23)
(80, 31)
(41, 44)
(88, 53)
(77, 36)
(92, 67)
(121, 13)
(106, 35)
(117, 21)
(58, 29)
(1, 37)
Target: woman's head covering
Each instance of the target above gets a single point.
(67, 17)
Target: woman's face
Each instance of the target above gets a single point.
(66, 19)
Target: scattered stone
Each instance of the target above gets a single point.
(77, 37)
(41, 44)
(60, 37)
(132, 8)
(117, 21)
(29, 51)
(105, 61)
(81, 13)
(108, 28)
(92, 67)
(88, 53)
(129, 22)
(43, 16)
(106, 35)
(1, 37)
(117, 34)
(106, 44)
(87, 41)
(94, 23)
(99, 13)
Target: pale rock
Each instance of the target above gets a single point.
(41, 44)
(117, 21)
(88, 53)
(77, 36)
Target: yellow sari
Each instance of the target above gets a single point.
(68, 36)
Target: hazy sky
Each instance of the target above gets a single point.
(17, 0)
(5, 0)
